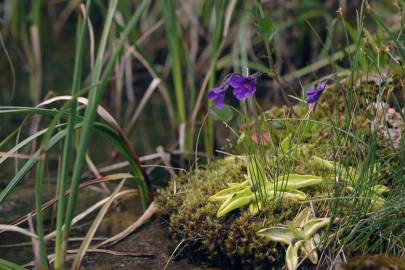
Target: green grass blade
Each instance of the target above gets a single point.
(101, 129)
(7, 265)
(88, 121)
(116, 140)
(27, 167)
(219, 10)
(173, 40)
(90, 113)
(68, 144)
(176, 52)
(143, 183)
(23, 143)
(40, 178)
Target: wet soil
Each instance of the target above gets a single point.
(147, 248)
(151, 241)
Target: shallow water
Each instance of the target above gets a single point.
(151, 241)
(21, 202)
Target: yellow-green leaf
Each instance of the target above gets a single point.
(278, 234)
(291, 257)
(308, 249)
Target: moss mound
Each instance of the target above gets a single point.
(230, 241)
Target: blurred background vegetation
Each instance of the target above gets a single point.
(177, 42)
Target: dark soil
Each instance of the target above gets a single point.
(151, 240)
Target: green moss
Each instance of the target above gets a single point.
(227, 241)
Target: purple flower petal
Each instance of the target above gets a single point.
(237, 81)
(219, 101)
(318, 89)
(243, 93)
(251, 89)
(212, 95)
(220, 89)
(312, 98)
(243, 87)
(218, 97)
(239, 93)
(314, 94)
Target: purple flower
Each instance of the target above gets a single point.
(314, 94)
(243, 88)
(218, 95)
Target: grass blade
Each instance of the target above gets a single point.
(88, 122)
(173, 35)
(10, 266)
(67, 147)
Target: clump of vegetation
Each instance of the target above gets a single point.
(227, 241)
(216, 210)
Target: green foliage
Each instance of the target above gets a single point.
(299, 236)
(173, 36)
(225, 114)
(356, 189)
(87, 124)
(284, 187)
(185, 203)
(6, 265)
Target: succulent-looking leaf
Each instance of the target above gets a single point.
(278, 234)
(255, 207)
(296, 181)
(309, 249)
(312, 226)
(226, 202)
(242, 184)
(241, 194)
(380, 189)
(303, 217)
(224, 194)
(377, 203)
(285, 143)
(235, 204)
(323, 163)
(236, 200)
(295, 195)
(291, 257)
(298, 234)
(334, 167)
